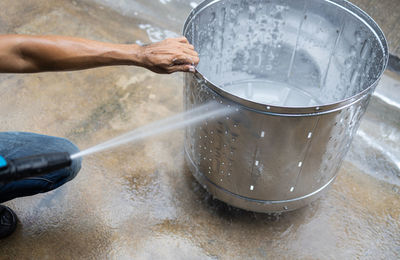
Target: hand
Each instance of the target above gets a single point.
(169, 56)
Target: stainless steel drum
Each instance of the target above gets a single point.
(300, 74)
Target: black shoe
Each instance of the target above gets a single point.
(8, 221)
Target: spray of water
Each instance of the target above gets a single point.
(210, 110)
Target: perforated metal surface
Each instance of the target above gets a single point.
(268, 157)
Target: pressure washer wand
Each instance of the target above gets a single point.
(31, 166)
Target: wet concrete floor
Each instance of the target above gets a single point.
(140, 201)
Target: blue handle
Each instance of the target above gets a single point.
(3, 162)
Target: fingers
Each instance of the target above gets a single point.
(171, 55)
(185, 54)
(182, 39)
(192, 53)
(189, 46)
(189, 60)
(183, 44)
(181, 61)
(183, 68)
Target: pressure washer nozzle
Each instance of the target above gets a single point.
(31, 166)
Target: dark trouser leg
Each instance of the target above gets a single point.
(17, 144)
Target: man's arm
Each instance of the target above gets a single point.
(27, 54)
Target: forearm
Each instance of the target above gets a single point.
(22, 53)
